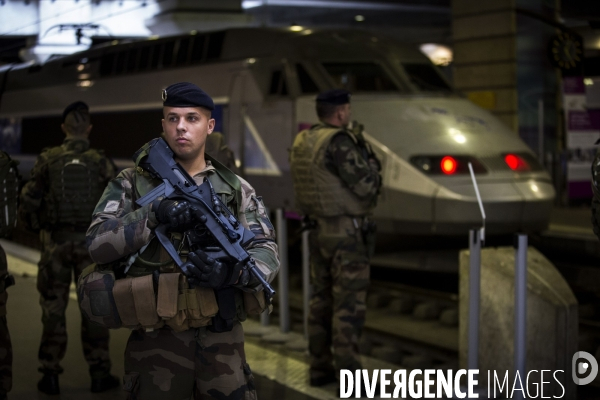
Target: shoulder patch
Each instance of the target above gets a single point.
(111, 206)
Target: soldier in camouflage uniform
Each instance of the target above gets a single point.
(6, 354)
(336, 182)
(171, 360)
(9, 178)
(66, 183)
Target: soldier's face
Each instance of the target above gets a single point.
(345, 114)
(186, 129)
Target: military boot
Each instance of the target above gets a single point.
(104, 384)
(49, 384)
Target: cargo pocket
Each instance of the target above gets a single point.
(250, 393)
(131, 384)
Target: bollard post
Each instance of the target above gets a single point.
(474, 298)
(520, 308)
(283, 279)
(306, 278)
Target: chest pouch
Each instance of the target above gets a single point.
(95, 297)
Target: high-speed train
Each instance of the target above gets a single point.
(264, 83)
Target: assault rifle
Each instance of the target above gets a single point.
(228, 233)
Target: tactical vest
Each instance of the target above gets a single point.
(9, 193)
(75, 187)
(319, 192)
(138, 301)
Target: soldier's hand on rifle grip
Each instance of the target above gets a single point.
(207, 271)
(175, 213)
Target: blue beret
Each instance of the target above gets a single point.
(77, 106)
(185, 94)
(335, 96)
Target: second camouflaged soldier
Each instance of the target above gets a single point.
(336, 182)
(9, 179)
(176, 350)
(66, 183)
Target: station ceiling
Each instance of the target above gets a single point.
(415, 21)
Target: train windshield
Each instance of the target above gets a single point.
(360, 77)
(425, 77)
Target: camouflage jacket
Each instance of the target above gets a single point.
(344, 158)
(33, 193)
(120, 228)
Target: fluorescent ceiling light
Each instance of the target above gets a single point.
(366, 5)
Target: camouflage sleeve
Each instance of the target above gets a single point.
(32, 194)
(118, 229)
(263, 248)
(346, 161)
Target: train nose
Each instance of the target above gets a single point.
(510, 206)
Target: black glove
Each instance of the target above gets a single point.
(175, 213)
(205, 270)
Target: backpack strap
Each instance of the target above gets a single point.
(228, 176)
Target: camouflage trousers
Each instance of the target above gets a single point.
(339, 266)
(61, 262)
(6, 353)
(196, 363)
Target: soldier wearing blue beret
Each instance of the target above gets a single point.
(177, 348)
(336, 183)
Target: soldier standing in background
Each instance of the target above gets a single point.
(336, 182)
(66, 183)
(9, 181)
(218, 149)
(192, 344)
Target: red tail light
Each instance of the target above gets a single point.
(516, 162)
(448, 165)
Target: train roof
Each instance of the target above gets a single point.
(131, 57)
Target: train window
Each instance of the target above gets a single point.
(215, 45)
(182, 51)
(106, 64)
(131, 60)
(120, 65)
(360, 77)
(278, 85)
(198, 48)
(168, 54)
(307, 85)
(425, 77)
(144, 58)
(156, 50)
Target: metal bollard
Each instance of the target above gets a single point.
(474, 298)
(283, 278)
(520, 308)
(306, 279)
